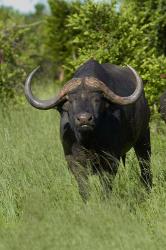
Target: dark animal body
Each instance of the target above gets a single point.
(162, 108)
(104, 114)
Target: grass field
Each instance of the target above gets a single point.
(40, 207)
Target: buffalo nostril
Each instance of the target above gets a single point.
(90, 118)
(84, 118)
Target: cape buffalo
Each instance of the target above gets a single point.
(162, 108)
(104, 114)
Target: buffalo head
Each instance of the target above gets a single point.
(84, 99)
(85, 106)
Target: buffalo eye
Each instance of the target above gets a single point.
(72, 98)
(97, 100)
(65, 106)
(107, 104)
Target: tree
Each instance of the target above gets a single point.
(20, 51)
(140, 24)
(123, 32)
(59, 45)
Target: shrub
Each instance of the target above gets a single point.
(20, 51)
(119, 33)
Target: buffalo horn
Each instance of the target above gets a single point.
(51, 103)
(109, 94)
(73, 83)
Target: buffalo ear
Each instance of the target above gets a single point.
(62, 106)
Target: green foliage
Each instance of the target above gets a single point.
(59, 36)
(20, 50)
(120, 33)
(144, 20)
(93, 22)
(10, 73)
(39, 9)
(152, 13)
(74, 27)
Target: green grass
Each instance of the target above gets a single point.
(40, 207)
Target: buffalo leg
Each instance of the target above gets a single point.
(143, 151)
(81, 175)
(107, 176)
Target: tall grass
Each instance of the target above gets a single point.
(40, 207)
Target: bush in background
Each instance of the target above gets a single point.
(123, 32)
(20, 50)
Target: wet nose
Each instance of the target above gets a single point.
(84, 118)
